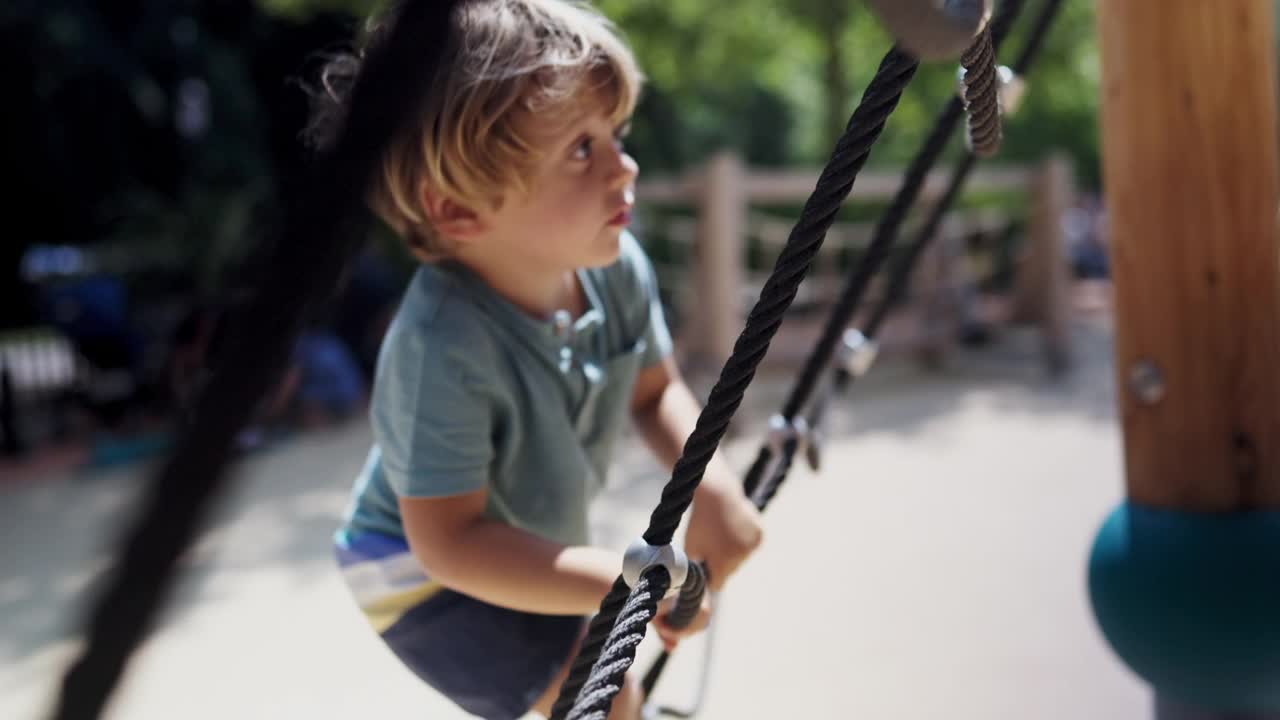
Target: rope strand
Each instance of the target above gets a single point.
(877, 252)
(833, 186)
(982, 96)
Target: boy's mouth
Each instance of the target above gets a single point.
(622, 218)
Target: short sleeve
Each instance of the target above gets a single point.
(648, 303)
(429, 416)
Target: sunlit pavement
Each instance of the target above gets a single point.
(934, 568)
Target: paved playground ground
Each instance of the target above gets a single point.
(934, 568)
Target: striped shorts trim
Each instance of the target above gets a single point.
(384, 577)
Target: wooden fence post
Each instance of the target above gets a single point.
(1043, 284)
(718, 275)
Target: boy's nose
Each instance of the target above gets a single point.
(626, 170)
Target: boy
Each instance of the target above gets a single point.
(528, 334)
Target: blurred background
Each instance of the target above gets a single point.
(151, 144)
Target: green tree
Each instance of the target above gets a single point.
(777, 79)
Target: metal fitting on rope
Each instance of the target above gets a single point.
(813, 449)
(781, 432)
(640, 556)
(933, 29)
(857, 353)
(1011, 90)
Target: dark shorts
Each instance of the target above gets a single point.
(491, 661)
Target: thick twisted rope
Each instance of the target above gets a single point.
(833, 186)
(319, 239)
(900, 280)
(762, 490)
(604, 681)
(877, 253)
(982, 96)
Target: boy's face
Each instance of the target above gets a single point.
(579, 197)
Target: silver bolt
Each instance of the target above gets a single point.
(1147, 382)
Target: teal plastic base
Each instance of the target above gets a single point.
(1191, 601)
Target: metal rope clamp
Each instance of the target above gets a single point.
(933, 29)
(640, 556)
(855, 355)
(857, 352)
(781, 432)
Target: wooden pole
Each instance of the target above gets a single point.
(1190, 169)
(722, 225)
(1042, 292)
(1055, 191)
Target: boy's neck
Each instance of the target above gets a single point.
(539, 294)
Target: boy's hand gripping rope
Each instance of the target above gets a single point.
(591, 696)
(857, 351)
(589, 691)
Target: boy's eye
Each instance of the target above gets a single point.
(582, 151)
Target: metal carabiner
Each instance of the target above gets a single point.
(933, 29)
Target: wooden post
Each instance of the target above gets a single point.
(938, 294)
(720, 258)
(1055, 193)
(1043, 292)
(1190, 170)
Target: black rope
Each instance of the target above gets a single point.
(882, 240)
(900, 279)
(761, 489)
(581, 690)
(1035, 39)
(689, 601)
(319, 239)
(614, 604)
(833, 186)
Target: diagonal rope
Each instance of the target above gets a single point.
(877, 252)
(605, 678)
(833, 186)
(319, 239)
(899, 281)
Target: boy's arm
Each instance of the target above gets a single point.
(503, 565)
(724, 527)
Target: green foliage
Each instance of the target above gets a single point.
(774, 79)
(756, 75)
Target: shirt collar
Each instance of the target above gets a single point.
(550, 333)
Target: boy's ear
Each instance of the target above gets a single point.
(449, 217)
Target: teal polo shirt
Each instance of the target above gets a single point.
(471, 392)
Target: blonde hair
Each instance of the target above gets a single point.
(506, 61)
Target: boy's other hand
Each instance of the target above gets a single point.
(724, 529)
(671, 636)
